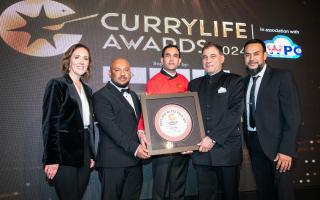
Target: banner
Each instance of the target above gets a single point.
(35, 33)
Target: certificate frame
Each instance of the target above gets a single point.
(182, 136)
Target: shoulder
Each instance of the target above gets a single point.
(104, 96)
(56, 82)
(195, 82)
(281, 74)
(101, 91)
(182, 77)
(232, 75)
(156, 79)
(56, 88)
(232, 78)
(279, 71)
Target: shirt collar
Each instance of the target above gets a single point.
(118, 88)
(166, 73)
(214, 73)
(261, 73)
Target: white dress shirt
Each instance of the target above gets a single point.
(127, 96)
(85, 107)
(258, 82)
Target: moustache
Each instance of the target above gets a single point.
(253, 62)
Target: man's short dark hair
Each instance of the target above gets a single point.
(256, 41)
(211, 44)
(170, 46)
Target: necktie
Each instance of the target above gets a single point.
(125, 90)
(252, 107)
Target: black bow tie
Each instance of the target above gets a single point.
(127, 90)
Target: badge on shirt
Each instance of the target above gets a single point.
(179, 85)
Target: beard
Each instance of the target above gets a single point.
(255, 71)
(120, 85)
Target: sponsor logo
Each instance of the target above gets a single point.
(35, 28)
(282, 46)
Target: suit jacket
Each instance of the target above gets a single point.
(62, 124)
(277, 113)
(221, 105)
(117, 123)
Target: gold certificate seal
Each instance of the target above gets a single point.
(173, 122)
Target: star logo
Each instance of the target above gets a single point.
(34, 27)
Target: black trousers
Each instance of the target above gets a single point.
(213, 179)
(169, 172)
(71, 182)
(271, 184)
(121, 183)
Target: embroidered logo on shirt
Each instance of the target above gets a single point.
(179, 85)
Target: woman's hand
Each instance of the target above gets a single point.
(92, 163)
(51, 170)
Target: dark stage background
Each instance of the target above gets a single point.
(30, 50)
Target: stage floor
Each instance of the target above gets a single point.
(301, 194)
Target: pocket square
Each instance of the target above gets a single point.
(222, 90)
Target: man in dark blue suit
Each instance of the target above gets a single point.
(117, 110)
(271, 122)
(220, 152)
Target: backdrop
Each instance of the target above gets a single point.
(34, 34)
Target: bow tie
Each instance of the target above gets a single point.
(127, 90)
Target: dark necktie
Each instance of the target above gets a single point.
(125, 90)
(252, 107)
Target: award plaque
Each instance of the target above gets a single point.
(173, 122)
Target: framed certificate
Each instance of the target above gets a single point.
(173, 122)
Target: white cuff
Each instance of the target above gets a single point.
(135, 153)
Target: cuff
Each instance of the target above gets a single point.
(135, 153)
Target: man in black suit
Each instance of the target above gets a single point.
(271, 122)
(220, 152)
(117, 110)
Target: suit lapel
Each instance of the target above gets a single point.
(246, 84)
(263, 84)
(121, 98)
(88, 95)
(73, 92)
(136, 104)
